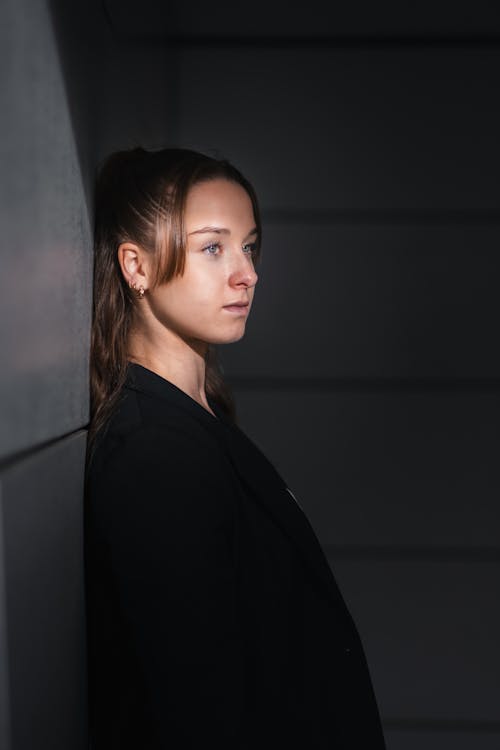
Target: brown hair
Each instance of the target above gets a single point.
(141, 197)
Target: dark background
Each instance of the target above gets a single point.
(370, 372)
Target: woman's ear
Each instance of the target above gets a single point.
(134, 265)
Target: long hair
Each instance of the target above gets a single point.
(140, 198)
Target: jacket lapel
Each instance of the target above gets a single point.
(271, 492)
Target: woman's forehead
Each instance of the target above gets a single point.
(217, 203)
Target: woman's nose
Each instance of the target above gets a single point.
(243, 272)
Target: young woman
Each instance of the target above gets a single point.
(213, 616)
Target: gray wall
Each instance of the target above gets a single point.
(70, 92)
(45, 288)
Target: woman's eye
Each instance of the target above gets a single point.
(212, 249)
(249, 248)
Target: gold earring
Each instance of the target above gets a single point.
(140, 292)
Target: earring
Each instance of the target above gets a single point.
(140, 292)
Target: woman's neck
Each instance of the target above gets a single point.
(179, 361)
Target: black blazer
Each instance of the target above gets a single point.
(213, 616)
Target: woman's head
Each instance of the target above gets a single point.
(177, 235)
(209, 301)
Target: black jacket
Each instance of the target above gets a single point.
(213, 616)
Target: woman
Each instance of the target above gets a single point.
(213, 617)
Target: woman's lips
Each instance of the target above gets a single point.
(238, 309)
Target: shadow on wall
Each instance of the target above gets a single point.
(83, 34)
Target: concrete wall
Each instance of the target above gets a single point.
(63, 75)
(45, 287)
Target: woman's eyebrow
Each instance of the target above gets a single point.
(216, 230)
(220, 230)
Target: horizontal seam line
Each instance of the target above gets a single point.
(12, 459)
(459, 217)
(306, 41)
(443, 725)
(367, 384)
(409, 553)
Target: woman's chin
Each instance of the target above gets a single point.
(231, 338)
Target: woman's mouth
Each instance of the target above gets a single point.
(240, 308)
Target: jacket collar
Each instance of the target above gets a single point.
(139, 378)
(255, 471)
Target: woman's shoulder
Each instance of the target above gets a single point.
(158, 438)
(144, 424)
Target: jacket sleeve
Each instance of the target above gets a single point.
(170, 537)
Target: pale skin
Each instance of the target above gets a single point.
(175, 322)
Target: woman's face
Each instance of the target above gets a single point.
(211, 301)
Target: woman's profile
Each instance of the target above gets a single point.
(213, 616)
